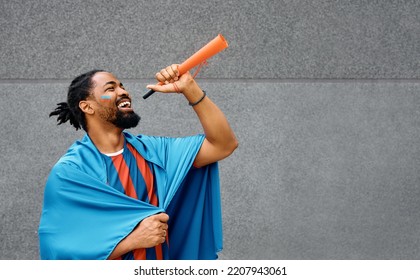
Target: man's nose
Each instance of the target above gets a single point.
(123, 92)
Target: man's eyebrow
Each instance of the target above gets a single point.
(110, 83)
(113, 83)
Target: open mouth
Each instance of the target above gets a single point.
(124, 104)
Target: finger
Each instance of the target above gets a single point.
(158, 240)
(163, 217)
(166, 88)
(167, 73)
(174, 68)
(160, 77)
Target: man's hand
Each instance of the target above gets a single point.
(170, 81)
(151, 231)
(148, 233)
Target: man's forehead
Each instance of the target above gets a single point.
(102, 78)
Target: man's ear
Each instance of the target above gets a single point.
(86, 108)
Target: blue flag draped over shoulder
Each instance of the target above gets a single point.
(84, 218)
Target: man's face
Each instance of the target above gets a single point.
(113, 101)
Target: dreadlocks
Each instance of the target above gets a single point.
(79, 90)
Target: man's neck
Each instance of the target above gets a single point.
(107, 141)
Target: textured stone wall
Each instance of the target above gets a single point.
(324, 97)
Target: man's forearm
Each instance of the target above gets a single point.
(220, 140)
(215, 125)
(122, 248)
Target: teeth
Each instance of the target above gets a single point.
(124, 104)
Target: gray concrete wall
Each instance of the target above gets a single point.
(324, 97)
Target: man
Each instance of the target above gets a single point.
(118, 196)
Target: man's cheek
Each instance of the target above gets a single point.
(106, 97)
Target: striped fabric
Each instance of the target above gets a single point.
(129, 172)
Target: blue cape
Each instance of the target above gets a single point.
(84, 218)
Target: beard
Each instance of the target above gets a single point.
(121, 119)
(126, 120)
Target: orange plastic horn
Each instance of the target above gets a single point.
(213, 47)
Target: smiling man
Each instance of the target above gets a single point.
(114, 195)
